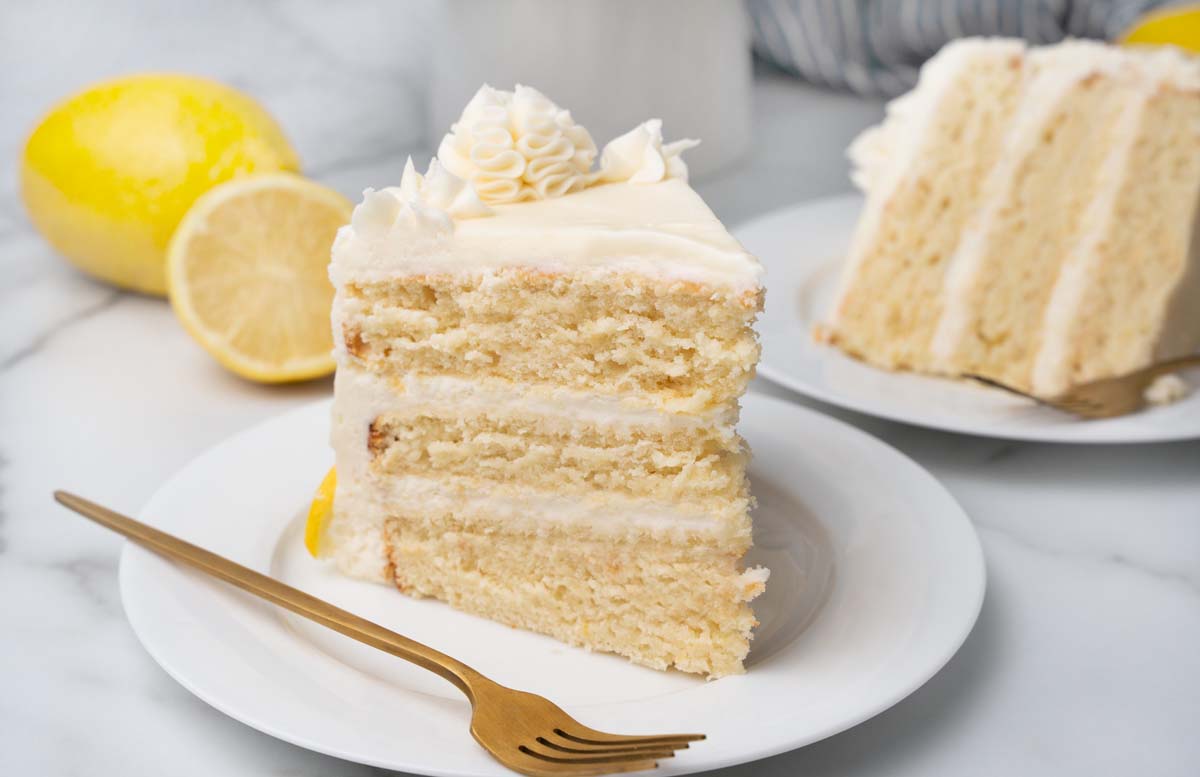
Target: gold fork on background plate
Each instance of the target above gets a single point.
(525, 732)
(1107, 397)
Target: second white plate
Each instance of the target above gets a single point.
(872, 590)
(802, 248)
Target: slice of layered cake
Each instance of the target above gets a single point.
(539, 366)
(1031, 217)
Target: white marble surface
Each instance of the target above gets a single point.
(1086, 660)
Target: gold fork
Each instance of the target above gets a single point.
(1106, 397)
(525, 732)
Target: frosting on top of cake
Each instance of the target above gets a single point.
(423, 206)
(513, 185)
(889, 146)
(657, 230)
(640, 156)
(518, 145)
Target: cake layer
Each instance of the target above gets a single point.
(686, 348)
(925, 168)
(1009, 256)
(699, 468)
(1128, 292)
(657, 603)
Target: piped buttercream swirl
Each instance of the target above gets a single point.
(421, 206)
(518, 145)
(640, 156)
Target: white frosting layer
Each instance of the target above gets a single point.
(516, 146)
(662, 230)
(610, 514)
(361, 396)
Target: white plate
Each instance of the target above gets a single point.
(802, 247)
(877, 578)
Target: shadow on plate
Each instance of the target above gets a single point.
(790, 541)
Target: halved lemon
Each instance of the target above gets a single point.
(319, 513)
(247, 275)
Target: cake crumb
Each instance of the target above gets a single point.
(1166, 389)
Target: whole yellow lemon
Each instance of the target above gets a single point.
(109, 173)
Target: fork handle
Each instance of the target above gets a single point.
(1174, 365)
(273, 591)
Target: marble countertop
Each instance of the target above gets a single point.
(1085, 660)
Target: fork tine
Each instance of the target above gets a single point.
(1073, 403)
(572, 746)
(573, 758)
(582, 735)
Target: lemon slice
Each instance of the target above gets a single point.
(319, 513)
(247, 275)
(1177, 25)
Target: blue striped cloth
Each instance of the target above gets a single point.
(876, 47)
